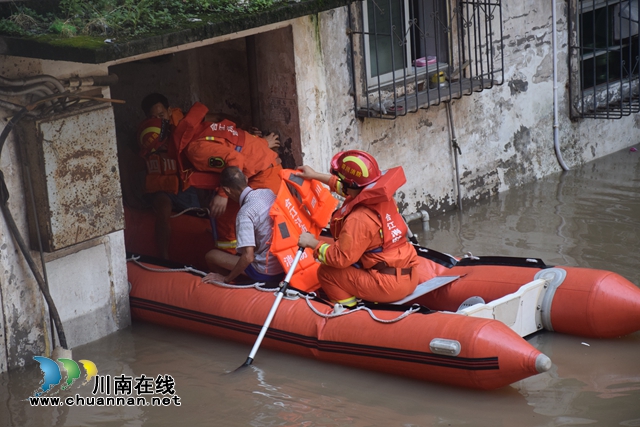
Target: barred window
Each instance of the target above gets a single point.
(606, 55)
(411, 54)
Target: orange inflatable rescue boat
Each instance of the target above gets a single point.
(479, 308)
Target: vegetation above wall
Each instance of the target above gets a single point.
(98, 31)
(120, 18)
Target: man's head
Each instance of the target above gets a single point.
(233, 182)
(156, 105)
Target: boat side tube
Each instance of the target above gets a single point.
(576, 301)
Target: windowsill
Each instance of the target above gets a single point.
(599, 51)
(411, 77)
(411, 102)
(607, 96)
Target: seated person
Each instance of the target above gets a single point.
(370, 258)
(254, 228)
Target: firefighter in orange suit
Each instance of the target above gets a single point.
(211, 147)
(162, 182)
(370, 258)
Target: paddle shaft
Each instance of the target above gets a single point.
(274, 307)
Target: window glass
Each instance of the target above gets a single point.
(608, 56)
(386, 36)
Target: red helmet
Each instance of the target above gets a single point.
(152, 133)
(355, 168)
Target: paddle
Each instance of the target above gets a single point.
(283, 288)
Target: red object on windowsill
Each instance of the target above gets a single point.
(423, 62)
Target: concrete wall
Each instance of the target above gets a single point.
(87, 281)
(276, 92)
(505, 133)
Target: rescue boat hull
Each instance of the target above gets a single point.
(490, 354)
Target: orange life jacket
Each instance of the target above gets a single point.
(378, 196)
(162, 173)
(301, 205)
(162, 165)
(225, 129)
(211, 147)
(196, 133)
(185, 132)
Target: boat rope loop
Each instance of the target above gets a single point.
(413, 309)
(259, 285)
(186, 269)
(201, 212)
(469, 255)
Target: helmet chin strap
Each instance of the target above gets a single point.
(345, 182)
(352, 185)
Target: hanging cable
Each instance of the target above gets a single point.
(4, 197)
(39, 238)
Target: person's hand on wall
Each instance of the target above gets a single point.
(273, 140)
(255, 131)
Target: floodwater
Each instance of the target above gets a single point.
(586, 217)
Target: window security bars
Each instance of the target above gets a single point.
(605, 58)
(411, 54)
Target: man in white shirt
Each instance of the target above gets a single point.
(254, 228)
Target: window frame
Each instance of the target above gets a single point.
(469, 32)
(604, 70)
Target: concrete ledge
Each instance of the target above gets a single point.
(94, 50)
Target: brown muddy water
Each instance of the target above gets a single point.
(587, 217)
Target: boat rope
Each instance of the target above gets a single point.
(469, 255)
(186, 269)
(308, 297)
(201, 212)
(258, 285)
(291, 294)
